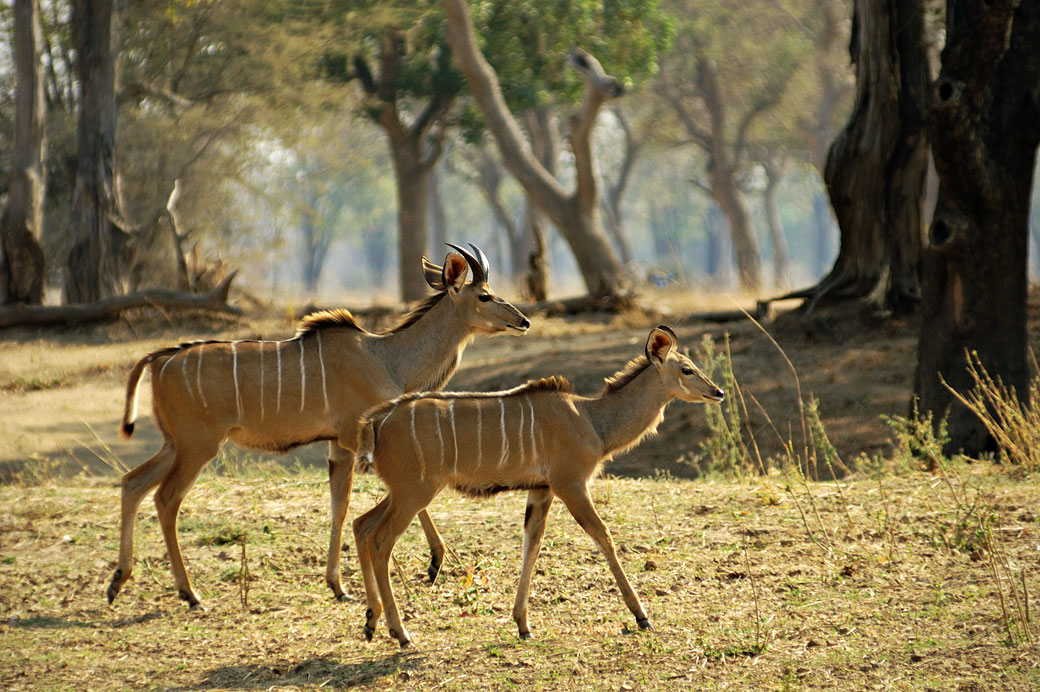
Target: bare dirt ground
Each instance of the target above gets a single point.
(877, 582)
(62, 392)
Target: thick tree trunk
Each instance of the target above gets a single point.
(21, 224)
(777, 238)
(574, 215)
(614, 219)
(412, 179)
(731, 202)
(876, 167)
(985, 129)
(100, 254)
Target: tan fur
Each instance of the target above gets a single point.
(275, 395)
(540, 436)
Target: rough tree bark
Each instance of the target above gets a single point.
(414, 149)
(21, 224)
(985, 129)
(100, 255)
(576, 215)
(876, 167)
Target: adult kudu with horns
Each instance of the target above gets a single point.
(540, 437)
(276, 395)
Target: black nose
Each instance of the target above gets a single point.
(525, 323)
(720, 394)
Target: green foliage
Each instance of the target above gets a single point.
(919, 441)
(724, 450)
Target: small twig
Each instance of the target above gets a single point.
(400, 573)
(243, 578)
(754, 590)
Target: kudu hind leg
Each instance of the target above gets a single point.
(579, 503)
(134, 486)
(538, 504)
(341, 481)
(187, 465)
(363, 526)
(384, 534)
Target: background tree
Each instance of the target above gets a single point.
(876, 167)
(719, 79)
(99, 257)
(985, 129)
(575, 216)
(21, 257)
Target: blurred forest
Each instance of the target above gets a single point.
(285, 172)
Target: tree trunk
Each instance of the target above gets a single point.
(438, 217)
(985, 129)
(574, 215)
(731, 202)
(781, 259)
(21, 224)
(412, 180)
(614, 220)
(97, 263)
(876, 167)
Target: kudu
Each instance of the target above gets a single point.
(540, 437)
(276, 395)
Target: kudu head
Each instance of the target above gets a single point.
(683, 379)
(477, 304)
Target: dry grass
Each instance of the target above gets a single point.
(890, 588)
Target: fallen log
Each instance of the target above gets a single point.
(112, 308)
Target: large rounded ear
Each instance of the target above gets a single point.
(433, 274)
(659, 343)
(453, 275)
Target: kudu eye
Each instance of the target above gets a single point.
(687, 370)
(484, 297)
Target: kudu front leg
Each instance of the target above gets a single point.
(579, 503)
(538, 504)
(341, 482)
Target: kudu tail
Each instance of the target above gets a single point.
(366, 445)
(133, 386)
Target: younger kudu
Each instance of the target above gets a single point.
(276, 395)
(540, 437)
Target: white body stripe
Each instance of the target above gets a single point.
(198, 377)
(394, 408)
(234, 375)
(440, 435)
(520, 433)
(187, 380)
(534, 447)
(321, 361)
(502, 423)
(278, 352)
(454, 437)
(162, 370)
(303, 378)
(261, 345)
(480, 436)
(418, 447)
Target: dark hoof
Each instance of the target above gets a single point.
(525, 635)
(644, 624)
(432, 571)
(193, 602)
(406, 644)
(369, 633)
(342, 598)
(112, 592)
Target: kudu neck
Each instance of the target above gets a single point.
(623, 416)
(425, 354)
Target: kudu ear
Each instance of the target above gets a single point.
(660, 342)
(433, 274)
(453, 275)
